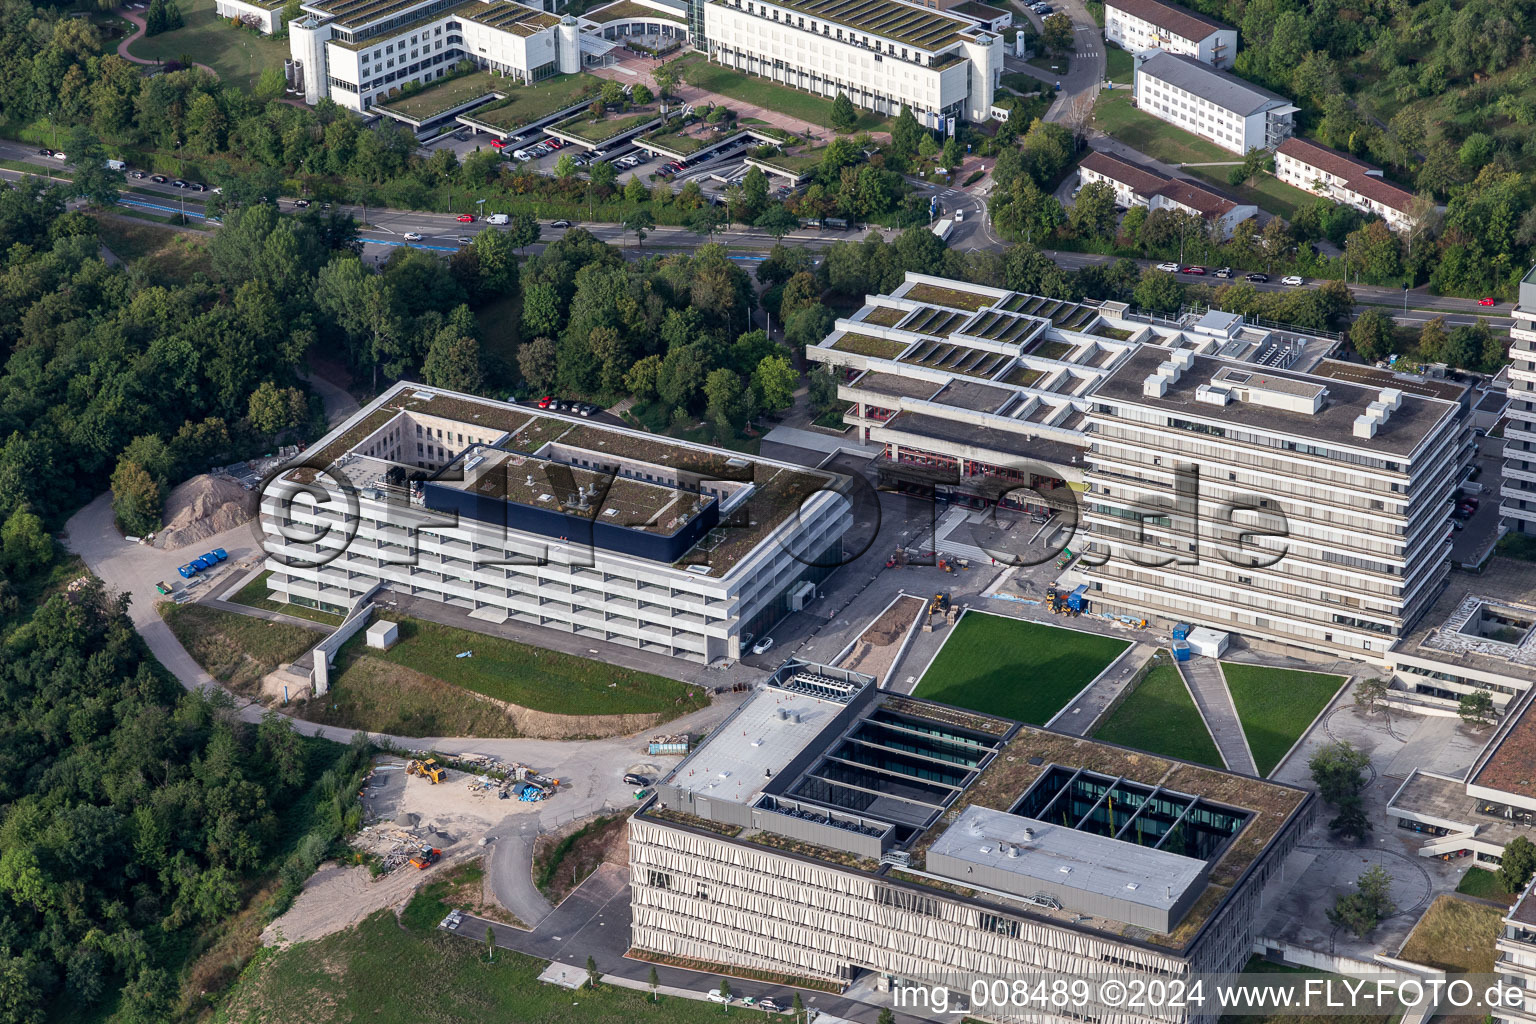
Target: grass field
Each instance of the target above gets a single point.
(409, 973)
(1022, 670)
(1275, 706)
(698, 72)
(235, 649)
(432, 100)
(526, 104)
(533, 677)
(1118, 65)
(254, 595)
(1160, 716)
(1267, 192)
(237, 55)
(166, 255)
(1114, 115)
(1455, 935)
(1485, 884)
(612, 124)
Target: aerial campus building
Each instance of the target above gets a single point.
(1340, 177)
(1518, 505)
(1138, 25)
(1302, 509)
(1215, 105)
(1135, 185)
(508, 513)
(830, 830)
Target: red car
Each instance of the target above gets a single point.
(498, 144)
(1485, 301)
(546, 401)
(1197, 271)
(466, 218)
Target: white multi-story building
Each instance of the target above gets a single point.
(1516, 963)
(1518, 507)
(1135, 185)
(1340, 177)
(901, 842)
(510, 513)
(1215, 105)
(880, 53)
(1299, 509)
(356, 51)
(1138, 25)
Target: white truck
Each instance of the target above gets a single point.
(117, 165)
(943, 227)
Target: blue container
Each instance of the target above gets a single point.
(1181, 651)
(1078, 599)
(1181, 631)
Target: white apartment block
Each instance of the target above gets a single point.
(880, 53)
(1516, 963)
(1518, 507)
(1212, 104)
(894, 841)
(1135, 185)
(1299, 509)
(1138, 25)
(1340, 177)
(512, 514)
(355, 51)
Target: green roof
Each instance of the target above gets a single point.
(888, 19)
(628, 10)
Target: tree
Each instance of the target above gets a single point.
(136, 499)
(754, 194)
(722, 396)
(654, 980)
(1158, 291)
(25, 546)
(1361, 910)
(273, 409)
(808, 326)
(640, 94)
(565, 167)
(635, 190)
(1371, 692)
(777, 221)
(641, 380)
(844, 116)
(1351, 822)
(664, 79)
(773, 383)
(93, 179)
(638, 223)
(706, 220)
(536, 362)
(797, 1008)
(1057, 34)
(490, 943)
(523, 230)
(1373, 335)
(906, 134)
(1517, 865)
(886, 1016)
(1338, 771)
(725, 992)
(1093, 213)
(1432, 339)
(453, 360)
(1476, 709)
(593, 977)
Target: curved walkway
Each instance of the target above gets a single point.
(138, 21)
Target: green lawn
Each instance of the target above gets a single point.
(528, 103)
(1118, 65)
(386, 972)
(1114, 115)
(429, 101)
(698, 72)
(238, 55)
(1018, 669)
(1485, 884)
(1267, 192)
(583, 127)
(533, 677)
(1275, 706)
(254, 595)
(1160, 717)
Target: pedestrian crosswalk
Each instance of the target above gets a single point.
(1087, 53)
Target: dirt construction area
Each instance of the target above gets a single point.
(402, 813)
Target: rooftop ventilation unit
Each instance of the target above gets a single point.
(1365, 426)
(1392, 398)
(1183, 358)
(1212, 395)
(1155, 386)
(1170, 369)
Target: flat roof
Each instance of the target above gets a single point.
(1414, 420)
(506, 15)
(1018, 444)
(964, 394)
(1371, 376)
(896, 385)
(1223, 89)
(573, 491)
(629, 10)
(1435, 638)
(1056, 855)
(890, 19)
(1524, 910)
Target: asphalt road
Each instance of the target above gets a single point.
(385, 229)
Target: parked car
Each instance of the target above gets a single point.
(763, 646)
(716, 996)
(1168, 268)
(498, 144)
(1224, 272)
(587, 409)
(195, 187)
(301, 204)
(546, 401)
(1292, 281)
(560, 224)
(60, 157)
(1196, 271)
(1485, 301)
(136, 175)
(769, 1003)
(466, 218)
(631, 779)
(45, 152)
(178, 183)
(1256, 278)
(412, 236)
(464, 240)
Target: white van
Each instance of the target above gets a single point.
(495, 218)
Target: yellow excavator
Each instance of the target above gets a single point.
(428, 769)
